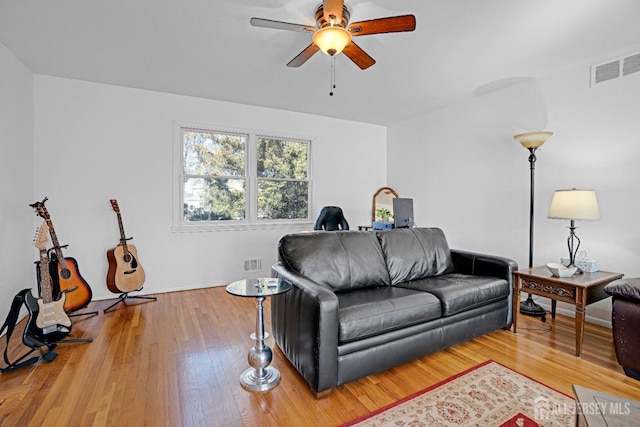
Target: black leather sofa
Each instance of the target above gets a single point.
(363, 302)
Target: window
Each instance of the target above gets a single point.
(214, 166)
(283, 184)
(238, 179)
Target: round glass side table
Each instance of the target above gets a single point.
(260, 376)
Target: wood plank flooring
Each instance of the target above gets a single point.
(177, 361)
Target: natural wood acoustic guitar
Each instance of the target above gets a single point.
(48, 322)
(78, 292)
(125, 272)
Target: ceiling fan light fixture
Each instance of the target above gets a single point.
(331, 39)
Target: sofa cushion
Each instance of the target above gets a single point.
(461, 292)
(415, 253)
(368, 312)
(339, 260)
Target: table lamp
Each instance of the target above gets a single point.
(574, 205)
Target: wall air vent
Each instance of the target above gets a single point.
(252, 265)
(608, 71)
(631, 64)
(615, 68)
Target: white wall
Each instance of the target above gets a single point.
(470, 177)
(461, 165)
(94, 142)
(16, 177)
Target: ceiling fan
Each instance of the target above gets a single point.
(333, 33)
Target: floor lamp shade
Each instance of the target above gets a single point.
(533, 139)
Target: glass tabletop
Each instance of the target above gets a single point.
(262, 287)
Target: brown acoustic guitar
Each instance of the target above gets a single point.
(78, 292)
(125, 273)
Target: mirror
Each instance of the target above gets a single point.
(383, 199)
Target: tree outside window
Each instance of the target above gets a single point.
(243, 178)
(214, 176)
(283, 185)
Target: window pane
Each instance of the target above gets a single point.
(214, 199)
(282, 199)
(211, 153)
(281, 158)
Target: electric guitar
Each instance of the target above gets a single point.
(70, 280)
(125, 273)
(48, 322)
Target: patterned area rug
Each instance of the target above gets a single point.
(489, 394)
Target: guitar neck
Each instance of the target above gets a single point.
(46, 284)
(56, 244)
(123, 237)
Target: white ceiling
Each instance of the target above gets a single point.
(208, 49)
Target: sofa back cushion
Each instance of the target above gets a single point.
(340, 260)
(415, 253)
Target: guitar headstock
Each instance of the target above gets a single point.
(41, 238)
(114, 205)
(40, 209)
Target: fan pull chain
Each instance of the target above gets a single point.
(333, 75)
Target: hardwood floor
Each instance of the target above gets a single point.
(176, 362)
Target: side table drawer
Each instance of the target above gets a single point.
(553, 290)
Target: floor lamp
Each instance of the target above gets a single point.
(532, 141)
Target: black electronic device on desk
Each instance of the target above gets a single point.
(403, 213)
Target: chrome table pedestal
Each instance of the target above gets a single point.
(260, 376)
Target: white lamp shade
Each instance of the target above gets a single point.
(574, 204)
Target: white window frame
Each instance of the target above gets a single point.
(251, 222)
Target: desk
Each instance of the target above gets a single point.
(260, 376)
(579, 290)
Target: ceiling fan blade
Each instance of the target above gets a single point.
(393, 24)
(358, 56)
(333, 7)
(279, 25)
(303, 56)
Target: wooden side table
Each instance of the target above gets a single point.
(579, 290)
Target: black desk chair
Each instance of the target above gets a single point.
(331, 218)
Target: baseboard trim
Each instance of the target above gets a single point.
(163, 291)
(570, 313)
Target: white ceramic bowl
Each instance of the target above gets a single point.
(560, 270)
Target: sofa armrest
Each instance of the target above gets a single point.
(477, 264)
(304, 323)
(628, 289)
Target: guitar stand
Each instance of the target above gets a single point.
(74, 340)
(46, 353)
(88, 313)
(125, 295)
